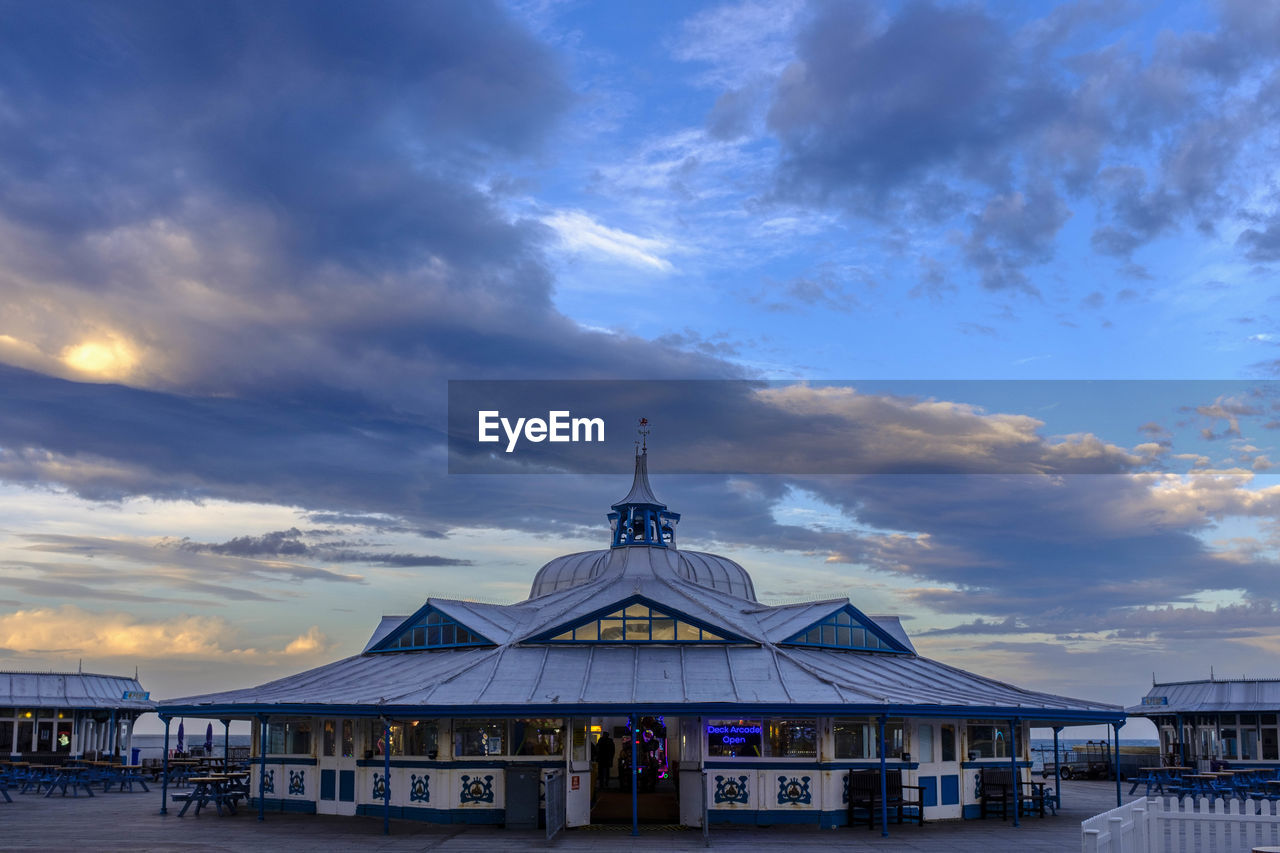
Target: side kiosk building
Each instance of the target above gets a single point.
(53, 716)
(1201, 722)
(745, 712)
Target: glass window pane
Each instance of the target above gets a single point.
(687, 632)
(567, 635)
(828, 635)
(664, 629)
(330, 740)
(707, 635)
(419, 636)
(858, 638)
(637, 630)
(587, 632)
(842, 636)
(637, 611)
(814, 636)
(611, 630)
(434, 618)
(924, 743)
(479, 737)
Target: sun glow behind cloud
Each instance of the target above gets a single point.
(107, 359)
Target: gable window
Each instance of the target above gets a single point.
(842, 630)
(638, 623)
(433, 630)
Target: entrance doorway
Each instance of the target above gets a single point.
(337, 767)
(654, 774)
(936, 748)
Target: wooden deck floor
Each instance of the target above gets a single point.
(131, 822)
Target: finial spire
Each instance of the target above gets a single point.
(640, 518)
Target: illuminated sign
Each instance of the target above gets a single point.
(1155, 700)
(734, 738)
(137, 695)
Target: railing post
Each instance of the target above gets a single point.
(884, 783)
(262, 766)
(706, 812)
(635, 783)
(1116, 765)
(1015, 778)
(1057, 769)
(386, 776)
(164, 778)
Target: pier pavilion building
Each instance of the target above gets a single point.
(755, 713)
(1235, 720)
(52, 716)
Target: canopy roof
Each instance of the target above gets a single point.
(1180, 697)
(635, 627)
(71, 690)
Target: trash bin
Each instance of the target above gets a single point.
(522, 797)
(133, 755)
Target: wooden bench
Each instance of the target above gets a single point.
(864, 793)
(1001, 793)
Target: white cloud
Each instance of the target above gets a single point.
(580, 233)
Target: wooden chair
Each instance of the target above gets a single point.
(1001, 793)
(864, 793)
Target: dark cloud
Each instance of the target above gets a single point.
(934, 110)
(289, 543)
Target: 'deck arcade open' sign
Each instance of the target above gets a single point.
(734, 739)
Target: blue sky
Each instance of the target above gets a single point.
(244, 247)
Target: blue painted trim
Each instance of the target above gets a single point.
(727, 709)
(781, 764)
(328, 784)
(459, 816)
(949, 792)
(409, 624)
(768, 817)
(545, 636)
(289, 759)
(991, 762)
(283, 805)
(858, 616)
(929, 796)
(973, 811)
(464, 763)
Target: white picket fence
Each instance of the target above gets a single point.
(1163, 825)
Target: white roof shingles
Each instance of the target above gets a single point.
(523, 673)
(1242, 695)
(70, 690)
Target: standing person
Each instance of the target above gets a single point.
(604, 758)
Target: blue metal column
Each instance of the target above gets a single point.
(635, 787)
(262, 766)
(226, 744)
(164, 779)
(1057, 769)
(1182, 747)
(386, 776)
(1013, 765)
(1116, 765)
(111, 735)
(884, 783)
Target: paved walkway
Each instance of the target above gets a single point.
(132, 822)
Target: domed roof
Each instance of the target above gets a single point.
(709, 570)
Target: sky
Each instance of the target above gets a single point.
(989, 287)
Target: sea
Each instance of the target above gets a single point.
(152, 746)
(1042, 748)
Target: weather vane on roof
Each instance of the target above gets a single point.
(643, 430)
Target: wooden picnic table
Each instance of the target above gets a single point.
(208, 789)
(74, 778)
